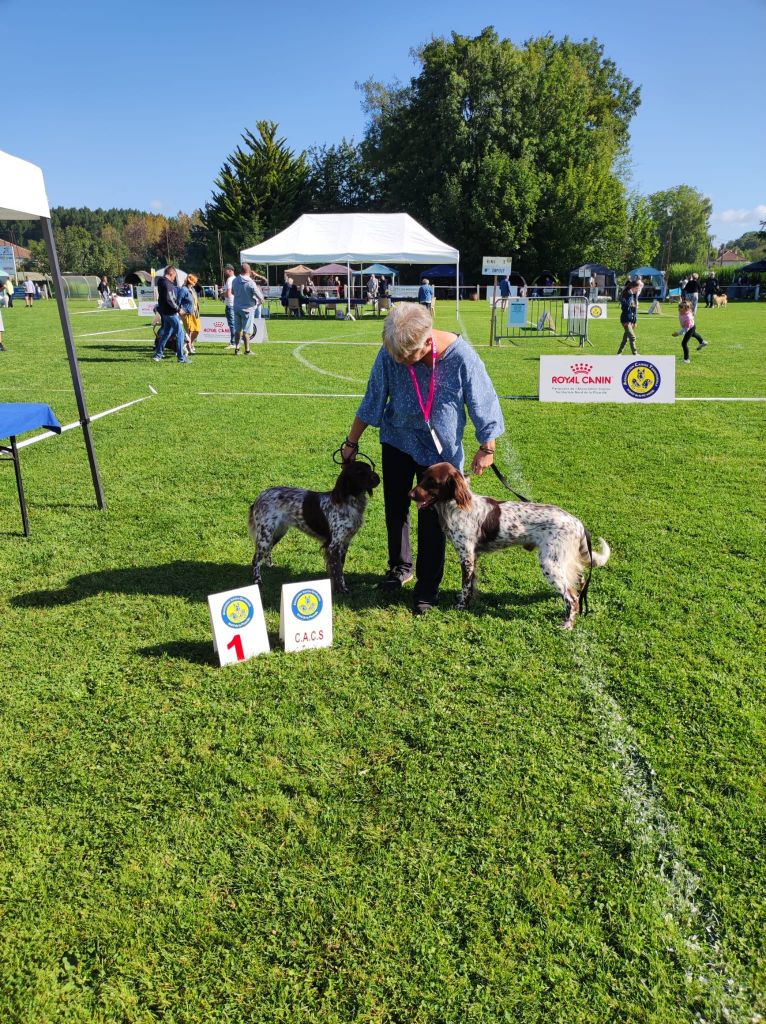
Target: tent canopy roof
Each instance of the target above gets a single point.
(759, 267)
(330, 269)
(300, 269)
(354, 237)
(646, 272)
(22, 190)
(593, 268)
(375, 268)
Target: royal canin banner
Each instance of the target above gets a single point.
(626, 379)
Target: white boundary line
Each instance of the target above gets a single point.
(318, 369)
(120, 330)
(274, 394)
(76, 423)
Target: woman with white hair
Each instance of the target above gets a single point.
(420, 385)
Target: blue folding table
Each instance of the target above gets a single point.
(17, 418)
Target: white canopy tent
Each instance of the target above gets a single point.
(353, 238)
(23, 197)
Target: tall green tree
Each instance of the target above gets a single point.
(509, 150)
(261, 188)
(641, 239)
(685, 212)
(338, 179)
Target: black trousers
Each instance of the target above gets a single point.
(691, 333)
(400, 471)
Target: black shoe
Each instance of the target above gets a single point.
(396, 578)
(423, 607)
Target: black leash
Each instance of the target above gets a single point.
(504, 481)
(337, 458)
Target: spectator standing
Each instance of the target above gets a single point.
(682, 285)
(693, 291)
(29, 293)
(309, 287)
(285, 292)
(688, 330)
(2, 333)
(372, 288)
(505, 291)
(188, 303)
(711, 289)
(425, 293)
(629, 316)
(8, 288)
(228, 301)
(337, 286)
(170, 326)
(247, 298)
(103, 291)
(383, 288)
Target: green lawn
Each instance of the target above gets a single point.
(462, 818)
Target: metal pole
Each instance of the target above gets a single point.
(66, 327)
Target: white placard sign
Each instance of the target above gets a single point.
(216, 328)
(146, 307)
(496, 266)
(596, 310)
(305, 615)
(123, 302)
(632, 379)
(239, 628)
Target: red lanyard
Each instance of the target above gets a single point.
(425, 407)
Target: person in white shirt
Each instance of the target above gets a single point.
(29, 293)
(228, 301)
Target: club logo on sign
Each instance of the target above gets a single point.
(641, 379)
(237, 612)
(306, 605)
(596, 312)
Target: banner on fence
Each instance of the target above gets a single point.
(147, 300)
(305, 615)
(123, 302)
(239, 626)
(517, 312)
(596, 310)
(648, 379)
(216, 328)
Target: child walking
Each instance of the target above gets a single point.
(686, 319)
(629, 315)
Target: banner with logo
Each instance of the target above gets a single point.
(124, 302)
(637, 379)
(596, 310)
(305, 615)
(147, 300)
(216, 328)
(239, 626)
(8, 260)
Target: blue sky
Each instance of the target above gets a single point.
(138, 106)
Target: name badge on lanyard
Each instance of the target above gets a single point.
(425, 407)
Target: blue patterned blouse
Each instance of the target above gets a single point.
(391, 404)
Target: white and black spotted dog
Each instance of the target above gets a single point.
(331, 517)
(475, 525)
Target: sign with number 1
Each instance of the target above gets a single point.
(239, 627)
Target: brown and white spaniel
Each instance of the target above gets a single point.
(331, 517)
(475, 525)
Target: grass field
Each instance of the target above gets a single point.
(462, 818)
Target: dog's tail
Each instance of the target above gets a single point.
(590, 559)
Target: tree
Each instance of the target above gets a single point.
(641, 242)
(261, 189)
(338, 180)
(507, 149)
(687, 211)
(38, 262)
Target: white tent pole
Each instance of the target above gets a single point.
(348, 288)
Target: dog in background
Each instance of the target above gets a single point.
(475, 525)
(331, 517)
(720, 300)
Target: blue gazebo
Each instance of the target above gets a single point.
(653, 278)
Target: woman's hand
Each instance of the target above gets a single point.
(348, 451)
(482, 460)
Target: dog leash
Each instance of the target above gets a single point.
(337, 458)
(504, 481)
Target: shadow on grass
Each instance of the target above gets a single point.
(198, 652)
(193, 581)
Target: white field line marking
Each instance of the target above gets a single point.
(76, 423)
(120, 330)
(90, 312)
(273, 394)
(318, 369)
(687, 906)
(719, 399)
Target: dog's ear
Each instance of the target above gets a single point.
(341, 492)
(462, 491)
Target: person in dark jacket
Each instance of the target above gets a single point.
(711, 289)
(167, 307)
(692, 291)
(629, 315)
